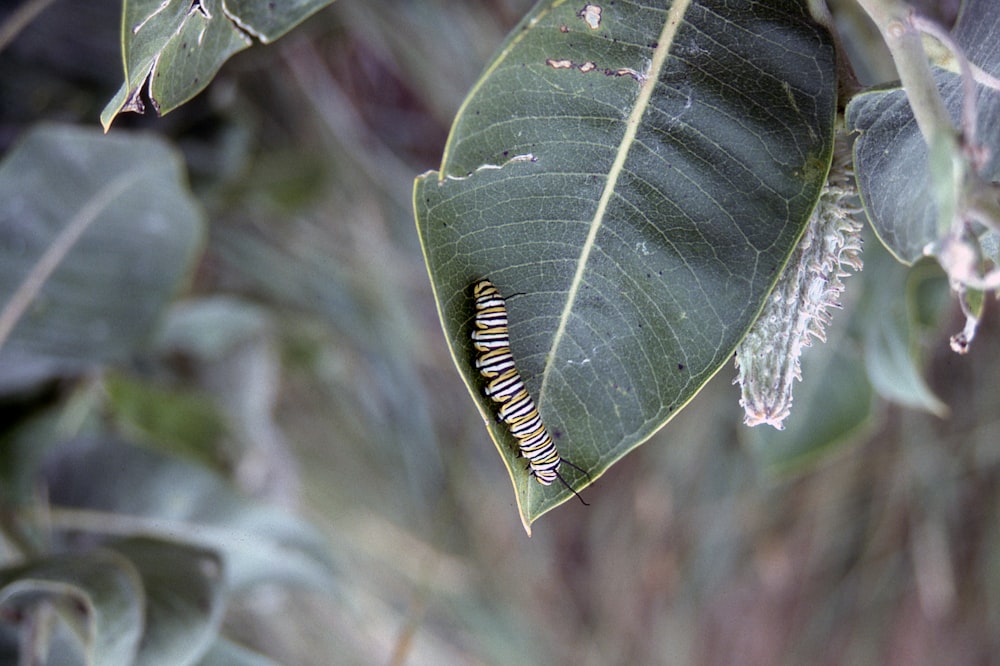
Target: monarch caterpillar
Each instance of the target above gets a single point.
(517, 409)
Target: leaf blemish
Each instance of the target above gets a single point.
(527, 157)
(139, 26)
(591, 14)
(197, 6)
(591, 66)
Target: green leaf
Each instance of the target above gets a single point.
(105, 586)
(145, 602)
(96, 235)
(185, 599)
(268, 20)
(633, 179)
(172, 50)
(128, 490)
(181, 422)
(892, 159)
(208, 328)
(896, 308)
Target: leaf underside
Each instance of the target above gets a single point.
(632, 177)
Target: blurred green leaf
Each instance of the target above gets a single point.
(184, 599)
(168, 593)
(639, 189)
(891, 156)
(928, 296)
(172, 50)
(892, 323)
(104, 584)
(24, 446)
(208, 328)
(96, 234)
(181, 422)
(144, 493)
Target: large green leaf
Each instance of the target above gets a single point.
(96, 234)
(892, 162)
(172, 48)
(637, 173)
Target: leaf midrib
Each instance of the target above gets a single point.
(651, 76)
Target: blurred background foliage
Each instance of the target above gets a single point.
(305, 360)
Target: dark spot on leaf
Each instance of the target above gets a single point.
(654, 45)
(680, 366)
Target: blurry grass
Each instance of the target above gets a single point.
(690, 553)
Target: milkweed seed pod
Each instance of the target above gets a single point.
(799, 307)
